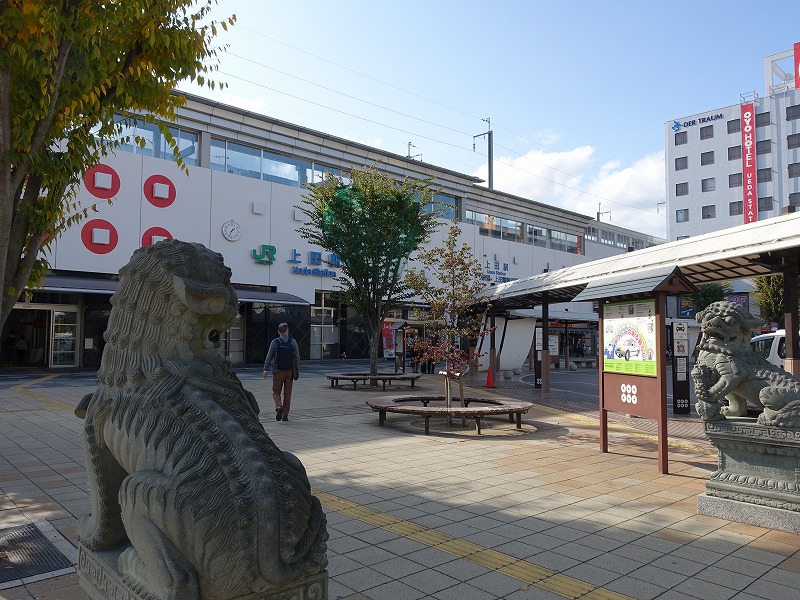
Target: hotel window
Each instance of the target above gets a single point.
(682, 215)
(765, 203)
(681, 138)
(764, 147)
(734, 126)
(793, 140)
(707, 158)
(681, 163)
(734, 152)
(709, 211)
(794, 170)
(707, 132)
(794, 199)
(708, 185)
(735, 180)
(764, 175)
(762, 119)
(736, 208)
(681, 189)
(793, 112)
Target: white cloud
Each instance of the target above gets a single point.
(570, 180)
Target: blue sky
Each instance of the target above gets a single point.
(577, 92)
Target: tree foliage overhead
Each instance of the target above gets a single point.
(67, 67)
(769, 294)
(372, 223)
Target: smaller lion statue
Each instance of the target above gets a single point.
(727, 368)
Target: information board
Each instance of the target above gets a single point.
(629, 338)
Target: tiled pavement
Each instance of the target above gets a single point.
(536, 513)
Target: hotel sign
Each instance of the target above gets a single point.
(749, 185)
(797, 66)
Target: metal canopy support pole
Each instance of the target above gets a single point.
(600, 375)
(545, 345)
(492, 339)
(792, 362)
(661, 362)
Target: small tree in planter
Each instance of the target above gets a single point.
(449, 284)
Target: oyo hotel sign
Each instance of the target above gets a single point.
(749, 184)
(797, 66)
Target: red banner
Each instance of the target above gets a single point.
(749, 186)
(797, 65)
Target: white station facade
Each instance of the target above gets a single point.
(246, 175)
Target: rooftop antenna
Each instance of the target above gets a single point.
(491, 149)
(410, 146)
(599, 214)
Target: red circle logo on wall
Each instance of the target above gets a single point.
(158, 233)
(99, 236)
(159, 191)
(101, 181)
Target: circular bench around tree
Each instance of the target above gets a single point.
(432, 406)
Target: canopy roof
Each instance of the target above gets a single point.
(750, 250)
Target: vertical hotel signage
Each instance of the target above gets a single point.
(797, 66)
(749, 163)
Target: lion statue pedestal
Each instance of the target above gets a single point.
(190, 498)
(756, 479)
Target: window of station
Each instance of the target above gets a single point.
(709, 211)
(707, 132)
(735, 180)
(147, 139)
(734, 126)
(764, 147)
(682, 189)
(765, 203)
(708, 185)
(591, 234)
(764, 175)
(681, 163)
(565, 242)
(736, 208)
(707, 158)
(512, 231)
(793, 112)
(682, 215)
(608, 238)
(734, 152)
(794, 170)
(793, 140)
(446, 205)
(537, 236)
(681, 138)
(763, 119)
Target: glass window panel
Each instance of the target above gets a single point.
(707, 132)
(735, 126)
(538, 236)
(736, 208)
(764, 147)
(217, 154)
(735, 152)
(512, 230)
(682, 215)
(735, 180)
(281, 169)
(243, 160)
(708, 185)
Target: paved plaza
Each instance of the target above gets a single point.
(539, 512)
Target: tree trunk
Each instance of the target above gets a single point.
(374, 336)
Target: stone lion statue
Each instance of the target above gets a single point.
(727, 368)
(180, 469)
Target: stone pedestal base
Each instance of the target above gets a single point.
(101, 580)
(758, 466)
(750, 514)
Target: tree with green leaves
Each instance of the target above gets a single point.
(708, 293)
(372, 223)
(769, 295)
(68, 70)
(448, 284)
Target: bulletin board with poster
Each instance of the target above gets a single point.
(629, 338)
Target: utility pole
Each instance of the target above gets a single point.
(491, 149)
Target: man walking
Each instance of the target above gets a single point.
(282, 357)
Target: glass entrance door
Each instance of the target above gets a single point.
(64, 339)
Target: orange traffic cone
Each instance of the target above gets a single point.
(489, 377)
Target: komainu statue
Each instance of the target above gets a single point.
(182, 476)
(727, 368)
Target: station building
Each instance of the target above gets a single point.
(246, 176)
(739, 163)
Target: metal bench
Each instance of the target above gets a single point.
(334, 378)
(480, 408)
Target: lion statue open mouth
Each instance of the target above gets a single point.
(727, 368)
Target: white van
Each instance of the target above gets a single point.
(771, 346)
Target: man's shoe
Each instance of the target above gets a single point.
(285, 418)
(278, 412)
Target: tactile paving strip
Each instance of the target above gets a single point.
(25, 552)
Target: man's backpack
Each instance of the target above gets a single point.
(284, 359)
